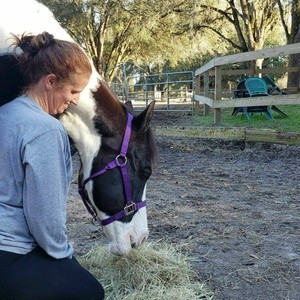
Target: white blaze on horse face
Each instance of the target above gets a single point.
(123, 236)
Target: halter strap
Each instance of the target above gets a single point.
(121, 162)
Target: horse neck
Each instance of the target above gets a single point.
(99, 111)
(109, 110)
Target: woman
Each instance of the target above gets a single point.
(36, 259)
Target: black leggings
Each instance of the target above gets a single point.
(37, 276)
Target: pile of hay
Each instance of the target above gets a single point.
(154, 271)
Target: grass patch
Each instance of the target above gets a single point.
(154, 271)
(258, 120)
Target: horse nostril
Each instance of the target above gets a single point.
(133, 245)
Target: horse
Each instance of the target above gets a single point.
(115, 144)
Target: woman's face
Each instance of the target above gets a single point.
(62, 94)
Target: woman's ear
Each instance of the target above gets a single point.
(50, 80)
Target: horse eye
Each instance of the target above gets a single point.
(146, 172)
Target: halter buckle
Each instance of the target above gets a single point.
(129, 209)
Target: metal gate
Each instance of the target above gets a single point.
(171, 91)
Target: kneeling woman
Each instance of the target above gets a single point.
(36, 259)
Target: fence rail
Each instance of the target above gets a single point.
(216, 81)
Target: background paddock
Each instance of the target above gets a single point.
(235, 208)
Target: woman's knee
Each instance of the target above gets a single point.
(83, 284)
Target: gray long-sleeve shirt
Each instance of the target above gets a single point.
(35, 177)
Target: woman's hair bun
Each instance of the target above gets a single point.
(31, 44)
(45, 39)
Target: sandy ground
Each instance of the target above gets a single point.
(233, 207)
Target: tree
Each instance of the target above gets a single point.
(290, 18)
(118, 31)
(251, 21)
(158, 35)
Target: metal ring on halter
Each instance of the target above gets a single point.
(121, 160)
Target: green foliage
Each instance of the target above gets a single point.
(162, 36)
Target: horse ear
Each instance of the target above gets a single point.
(128, 104)
(143, 120)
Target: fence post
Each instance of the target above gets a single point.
(146, 90)
(206, 92)
(196, 90)
(218, 87)
(168, 92)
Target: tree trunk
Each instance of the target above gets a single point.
(294, 61)
(292, 32)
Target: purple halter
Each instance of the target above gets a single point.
(121, 162)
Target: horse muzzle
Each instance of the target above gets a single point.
(126, 236)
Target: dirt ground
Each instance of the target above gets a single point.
(233, 207)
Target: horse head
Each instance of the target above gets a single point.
(97, 127)
(98, 130)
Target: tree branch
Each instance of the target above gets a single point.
(237, 46)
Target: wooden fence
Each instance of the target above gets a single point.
(209, 79)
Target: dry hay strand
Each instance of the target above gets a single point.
(154, 271)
